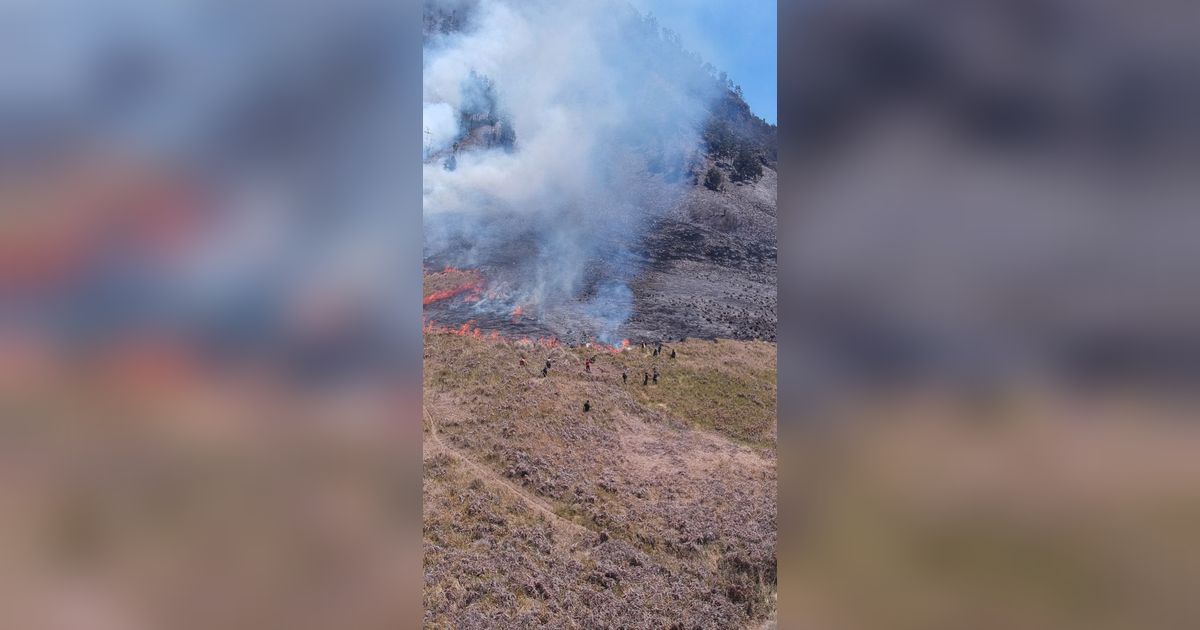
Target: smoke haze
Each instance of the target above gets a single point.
(553, 131)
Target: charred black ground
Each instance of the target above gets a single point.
(705, 268)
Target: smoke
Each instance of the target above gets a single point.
(441, 127)
(558, 110)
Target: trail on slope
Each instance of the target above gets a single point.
(487, 474)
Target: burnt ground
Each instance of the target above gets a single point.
(710, 266)
(705, 268)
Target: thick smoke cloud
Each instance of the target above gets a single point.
(575, 123)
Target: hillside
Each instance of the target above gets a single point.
(711, 264)
(655, 508)
(638, 203)
(591, 188)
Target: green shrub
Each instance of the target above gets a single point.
(719, 138)
(746, 166)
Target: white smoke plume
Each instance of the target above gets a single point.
(441, 126)
(554, 130)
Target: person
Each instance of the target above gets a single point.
(645, 377)
(672, 353)
(544, 371)
(547, 364)
(624, 377)
(587, 366)
(587, 406)
(656, 376)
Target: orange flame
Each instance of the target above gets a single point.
(438, 296)
(470, 329)
(471, 287)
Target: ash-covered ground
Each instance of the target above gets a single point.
(709, 267)
(705, 268)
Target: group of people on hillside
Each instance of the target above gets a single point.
(648, 377)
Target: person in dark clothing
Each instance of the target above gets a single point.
(656, 376)
(624, 377)
(645, 378)
(587, 406)
(655, 353)
(544, 371)
(672, 353)
(547, 364)
(587, 366)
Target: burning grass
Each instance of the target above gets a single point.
(450, 283)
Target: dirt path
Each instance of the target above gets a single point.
(490, 476)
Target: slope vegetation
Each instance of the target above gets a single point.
(654, 508)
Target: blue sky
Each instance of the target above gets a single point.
(737, 36)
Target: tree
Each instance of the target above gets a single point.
(746, 166)
(714, 180)
(478, 104)
(718, 137)
(652, 24)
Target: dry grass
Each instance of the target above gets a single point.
(723, 386)
(449, 280)
(675, 481)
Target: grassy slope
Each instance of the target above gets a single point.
(680, 476)
(723, 386)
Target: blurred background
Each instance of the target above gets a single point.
(209, 330)
(990, 314)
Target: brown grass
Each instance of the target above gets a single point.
(723, 386)
(675, 480)
(449, 280)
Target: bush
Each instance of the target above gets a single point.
(714, 180)
(746, 166)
